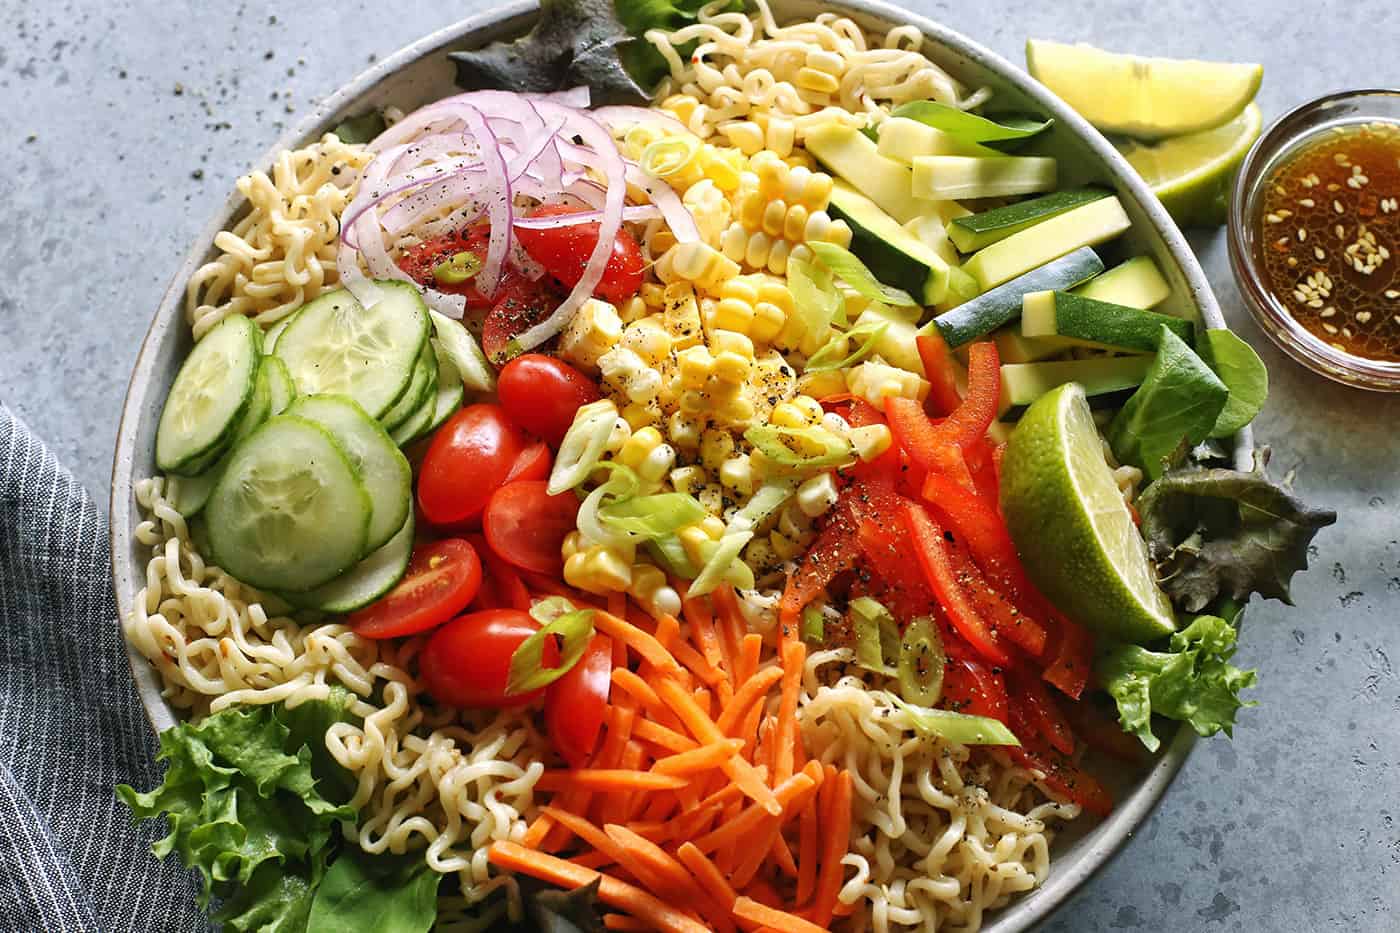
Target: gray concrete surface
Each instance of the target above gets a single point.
(123, 124)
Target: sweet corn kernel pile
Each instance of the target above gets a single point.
(699, 355)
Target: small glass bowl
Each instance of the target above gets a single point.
(1280, 142)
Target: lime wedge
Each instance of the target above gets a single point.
(1149, 98)
(1072, 529)
(1193, 174)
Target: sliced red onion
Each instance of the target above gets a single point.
(576, 97)
(498, 206)
(632, 214)
(621, 115)
(678, 216)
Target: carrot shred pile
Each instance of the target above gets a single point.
(699, 810)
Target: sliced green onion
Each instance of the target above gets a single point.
(527, 670)
(827, 357)
(721, 561)
(461, 267)
(877, 635)
(815, 297)
(546, 610)
(622, 484)
(959, 728)
(813, 625)
(652, 516)
(769, 439)
(764, 502)
(583, 445)
(921, 662)
(667, 156)
(847, 267)
(971, 127)
(459, 346)
(670, 554)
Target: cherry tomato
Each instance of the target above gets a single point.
(575, 703)
(541, 394)
(564, 251)
(469, 458)
(466, 663)
(519, 304)
(534, 462)
(442, 578)
(526, 526)
(418, 262)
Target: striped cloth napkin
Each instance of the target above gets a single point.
(71, 726)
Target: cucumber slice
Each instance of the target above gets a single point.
(275, 331)
(1136, 283)
(380, 464)
(975, 231)
(417, 393)
(208, 397)
(1087, 225)
(259, 406)
(1023, 383)
(993, 308)
(450, 391)
(289, 512)
(364, 583)
(1013, 348)
(902, 139)
(189, 494)
(416, 424)
(457, 344)
(850, 154)
(1097, 323)
(336, 346)
(945, 177)
(281, 389)
(894, 255)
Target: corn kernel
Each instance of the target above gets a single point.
(817, 81)
(728, 341)
(695, 542)
(745, 136)
(839, 233)
(774, 214)
(775, 291)
(800, 252)
(682, 106)
(772, 177)
(778, 257)
(720, 171)
(731, 314)
(795, 222)
(818, 222)
(687, 479)
(836, 424)
(783, 546)
(695, 365)
(591, 332)
(701, 263)
(817, 495)
(711, 499)
(788, 415)
(768, 321)
(572, 544)
(681, 316)
(780, 135)
(732, 369)
(756, 253)
(639, 416)
(648, 339)
(651, 589)
(632, 309)
(801, 159)
(810, 408)
(657, 463)
(737, 410)
(870, 441)
(716, 446)
(652, 294)
(621, 434)
(638, 446)
(683, 431)
(822, 384)
(816, 193)
(792, 522)
(737, 474)
(629, 374)
(692, 402)
(735, 242)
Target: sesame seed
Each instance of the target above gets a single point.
(1337, 206)
(1318, 252)
(1280, 189)
(1330, 328)
(1327, 311)
(1315, 303)
(1292, 262)
(1392, 294)
(1333, 186)
(1308, 202)
(1302, 234)
(1341, 231)
(1274, 219)
(1346, 332)
(1363, 316)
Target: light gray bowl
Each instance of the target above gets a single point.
(421, 73)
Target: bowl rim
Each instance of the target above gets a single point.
(1279, 138)
(1107, 838)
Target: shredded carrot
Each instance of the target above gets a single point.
(703, 758)
(696, 720)
(583, 829)
(794, 655)
(750, 651)
(753, 689)
(807, 852)
(838, 835)
(782, 856)
(746, 908)
(608, 780)
(749, 731)
(702, 700)
(639, 641)
(646, 907)
(752, 817)
(752, 781)
(652, 859)
(597, 858)
(539, 829)
(549, 586)
(702, 632)
(710, 878)
(756, 850)
(618, 807)
(657, 734)
(731, 620)
(624, 922)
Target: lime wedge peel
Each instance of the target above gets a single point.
(1147, 98)
(1073, 531)
(1193, 174)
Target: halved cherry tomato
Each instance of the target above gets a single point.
(418, 262)
(574, 704)
(469, 458)
(526, 526)
(541, 394)
(564, 251)
(442, 578)
(1063, 777)
(466, 663)
(520, 303)
(506, 587)
(533, 463)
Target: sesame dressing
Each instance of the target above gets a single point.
(1331, 226)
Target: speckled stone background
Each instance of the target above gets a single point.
(123, 124)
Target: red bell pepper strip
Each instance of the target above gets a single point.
(905, 593)
(932, 551)
(1063, 778)
(921, 440)
(857, 411)
(969, 686)
(943, 396)
(981, 461)
(1041, 710)
(1014, 626)
(1101, 731)
(834, 551)
(1070, 655)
